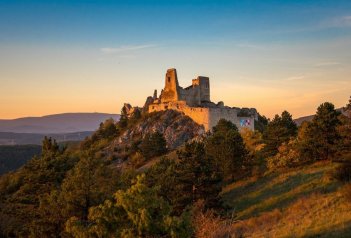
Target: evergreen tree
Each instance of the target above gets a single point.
(278, 131)
(195, 178)
(321, 136)
(107, 129)
(344, 131)
(21, 195)
(261, 123)
(49, 146)
(153, 145)
(136, 212)
(227, 148)
(88, 184)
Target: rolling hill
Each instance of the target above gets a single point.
(58, 123)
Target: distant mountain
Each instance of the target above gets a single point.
(300, 120)
(58, 123)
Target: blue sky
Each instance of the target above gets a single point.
(59, 56)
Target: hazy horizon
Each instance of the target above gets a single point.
(78, 56)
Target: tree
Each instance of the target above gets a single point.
(344, 131)
(107, 129)
(288, 156)
(261, 123)
(227, 148)
(88, 184)
(123, 120)
(49, 146)
(136, 212)
(321, 136)
(195, 178)
(252, 140)
(278, 131)
(153, 144)
(21, 194)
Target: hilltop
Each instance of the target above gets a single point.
(159, 174)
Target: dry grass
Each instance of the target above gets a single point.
(295, 203)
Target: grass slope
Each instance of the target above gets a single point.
(301, 202)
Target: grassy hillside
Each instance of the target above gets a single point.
(302, 202)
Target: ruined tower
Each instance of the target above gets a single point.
(171, 90)
(195, 102)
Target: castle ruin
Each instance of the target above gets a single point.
(194, 101)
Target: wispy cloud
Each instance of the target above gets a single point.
(294, 78)
(250, 46)
(337, 22)
(126, 48)
(327, 63)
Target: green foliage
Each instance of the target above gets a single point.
(153, 145)
(252, 140)
(162, 174)
(137, 212)
(278, 131)
(192, 177)
(344, 132)
(321, 136)
(137, 160)
(102, 136)
(21, 191)
(287, 156)
(196, 178)
(227, 148)
(49, 146)
(261, 123)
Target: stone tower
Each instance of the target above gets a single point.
(171, 90)
(204, 87)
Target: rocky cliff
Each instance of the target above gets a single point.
(175, 127)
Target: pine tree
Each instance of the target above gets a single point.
(153, 144)
(196, 178)
(278, 131)
(227, 148)
(321, 136)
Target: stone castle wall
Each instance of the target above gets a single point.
(194, 101)
(208, 117)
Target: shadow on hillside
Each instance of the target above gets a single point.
(267, 193)
(341, 231)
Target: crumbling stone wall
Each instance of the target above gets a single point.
(194, 101)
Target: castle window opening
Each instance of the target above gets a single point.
(169, 79)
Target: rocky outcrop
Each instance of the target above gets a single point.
(175, 127)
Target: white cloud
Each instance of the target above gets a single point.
(293, 78)
(344, 21)
(126, 48)
(250, 46)
(326, 63)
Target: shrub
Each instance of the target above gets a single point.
(153, 144)
(287, 156)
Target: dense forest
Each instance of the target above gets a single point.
(14, 156)
(225, 183)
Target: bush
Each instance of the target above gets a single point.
(287, 156)
(137, 160)
(153, 145)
